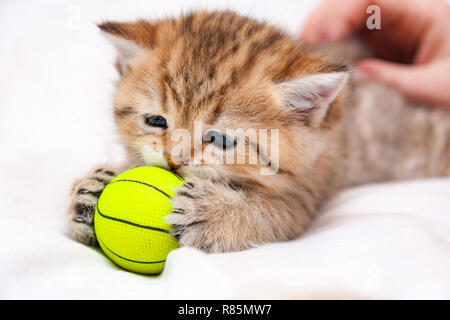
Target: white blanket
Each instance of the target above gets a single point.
(378, 241)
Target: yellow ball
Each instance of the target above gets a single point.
(129, 219)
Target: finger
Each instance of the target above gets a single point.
(425, 83)
(333, 20)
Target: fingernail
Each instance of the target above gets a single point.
(337, 31)
(360, 75)
(333, 35)
(310, 38)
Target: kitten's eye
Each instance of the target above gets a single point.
(156, 121)
(219, 140)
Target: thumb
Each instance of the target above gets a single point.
(421, 82)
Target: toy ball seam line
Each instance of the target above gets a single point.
(145, 262)
(179, 178)
(131, 223)
(145, 184)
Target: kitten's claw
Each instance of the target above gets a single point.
(85, 194)
(199, 217)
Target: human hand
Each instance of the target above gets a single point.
(412, 48)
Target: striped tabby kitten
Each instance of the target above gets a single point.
(226, 71)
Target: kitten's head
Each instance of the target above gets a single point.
(188, 84)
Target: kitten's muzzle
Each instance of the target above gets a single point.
(173, 165)
(176, 162)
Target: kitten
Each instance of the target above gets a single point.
(229, 71)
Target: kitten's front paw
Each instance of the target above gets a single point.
(187, 224)
(202, 217)
(85, 194)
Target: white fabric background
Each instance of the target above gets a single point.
(379, 241)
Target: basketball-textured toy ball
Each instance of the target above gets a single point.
(129, 219)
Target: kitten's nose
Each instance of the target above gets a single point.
(173, 165)
(176, 162)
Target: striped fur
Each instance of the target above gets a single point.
(229, 71)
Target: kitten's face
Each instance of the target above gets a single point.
(160, 111)
(189, 85)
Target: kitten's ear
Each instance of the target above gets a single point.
(130, 39)
(308, 98)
